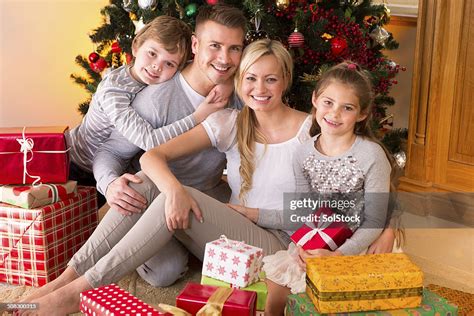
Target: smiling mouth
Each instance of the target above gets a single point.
(221, 68)
(154, 76)
(258, 98)
(332, 123)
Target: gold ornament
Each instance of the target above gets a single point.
(326, 37)
(282, 4)
(180, 9)
(133, 16)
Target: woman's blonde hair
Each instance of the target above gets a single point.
(247, 132)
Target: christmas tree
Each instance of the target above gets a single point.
(318, 33)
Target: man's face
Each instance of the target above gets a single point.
(217, 50)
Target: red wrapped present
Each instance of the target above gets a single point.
(112, 300)
(200, 300)
(33, 155)
(29, 196)
(36, 244)
(323, 233)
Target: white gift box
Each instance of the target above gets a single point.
(232, 261)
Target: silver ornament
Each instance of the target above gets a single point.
(380, 35)
(138, 25)
(400, 159)
(147, 4)
(127, 5)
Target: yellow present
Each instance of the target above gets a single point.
(363, 283)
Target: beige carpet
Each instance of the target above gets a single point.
(132, 283)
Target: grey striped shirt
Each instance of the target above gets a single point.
(110, 109)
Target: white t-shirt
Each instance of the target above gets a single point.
(273, 173)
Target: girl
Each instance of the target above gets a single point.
(342, 157)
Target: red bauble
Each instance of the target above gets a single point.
(212, 2)
(128, 57)
(99, 65)
(116, 47)
(93, 57)
(296, 39)
(338, 45)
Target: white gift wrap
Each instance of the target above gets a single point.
(232, 261)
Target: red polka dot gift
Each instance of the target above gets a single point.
(112, 300)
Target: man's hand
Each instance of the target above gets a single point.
(122, 197)
(383, 244)
(177, 207)
(249, 212)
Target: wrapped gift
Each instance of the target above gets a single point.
(112, 300)
(363, 283)
(232, 261)
(36, 244)
(28, 196)
(431, 305)
(33, 155)
(323, 234)
(260, 288)
(205, 300)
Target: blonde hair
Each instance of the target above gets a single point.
(247, 132)
(172, 33)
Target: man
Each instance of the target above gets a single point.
(217, 46)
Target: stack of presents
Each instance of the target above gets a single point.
(43, 225)
(44, 217)
(232, 285)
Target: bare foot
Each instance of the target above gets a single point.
(66, 277)
(62, 301)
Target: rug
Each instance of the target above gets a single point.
(464, 301)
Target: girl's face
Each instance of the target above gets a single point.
(263, 84)
(153, 63)
(337, 109)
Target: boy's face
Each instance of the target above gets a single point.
(153, 63)
(217, 49)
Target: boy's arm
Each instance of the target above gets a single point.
(135, 128)
(129, 120)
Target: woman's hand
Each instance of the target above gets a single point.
(249, 212)
(383, 244)
(177, 207)
(315, 253)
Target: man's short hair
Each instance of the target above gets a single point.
(224, 14)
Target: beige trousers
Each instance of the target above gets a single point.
(122, 243)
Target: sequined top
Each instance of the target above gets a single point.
(362, 171)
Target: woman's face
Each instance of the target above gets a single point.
(263, 84)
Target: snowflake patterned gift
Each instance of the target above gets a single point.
(232, 261)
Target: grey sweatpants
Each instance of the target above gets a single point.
(122, 243)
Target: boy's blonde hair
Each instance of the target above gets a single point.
(172, 33)
(247, 132)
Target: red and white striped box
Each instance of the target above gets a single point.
(36, 244)
(112, 300)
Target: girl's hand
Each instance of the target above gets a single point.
(315, 253)
(212, 103)
(177, 206)
(383, 244)
(249, 212)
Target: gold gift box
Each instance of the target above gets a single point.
(363, 283)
